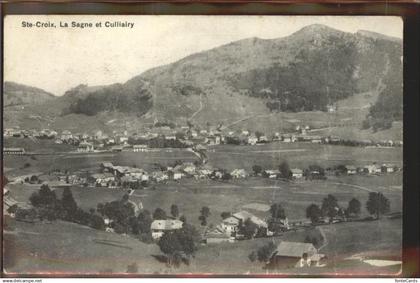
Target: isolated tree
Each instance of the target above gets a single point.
(313, 212)
(174, 210)
(277, 211)
(257, 169)
(178, 243)
(225, 215)
(377, 204)
(354, 207)
(330, 207)
(144, 220)
(159, 214)
(285, 171)
(69, 204)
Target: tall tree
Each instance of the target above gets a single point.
(330, 207)
(174, 210)
(313, 212)
(69, 204)
(144, 221)
(285, 171)
(257, 169)
(354, 207)
(377, 204)
(159, 214)
(277, 211)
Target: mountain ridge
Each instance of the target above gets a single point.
(251, 76)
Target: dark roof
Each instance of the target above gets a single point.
(295, 249)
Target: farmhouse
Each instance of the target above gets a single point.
(189, 168)
(140, 147)
(14, 150)
(239, 173)
(297, 173)
(158, 227)
(231, 224)
(66, 135)
(107, 167)
(217, 236)
(388, 168)
(350, 169)
(295, 254)
(263, 139)
(288, 138)
(85, 147)
(271, 173)
(316, 139)
(252, 140)
(276, 136)
(371, 169)
(103, 179)
(159, 176)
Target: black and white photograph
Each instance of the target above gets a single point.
(202, 145)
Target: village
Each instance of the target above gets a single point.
(255, 220)
(163, 136)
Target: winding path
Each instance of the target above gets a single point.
(199, 109)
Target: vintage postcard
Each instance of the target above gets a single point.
(205, 145)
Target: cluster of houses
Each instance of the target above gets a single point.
(114, 176)
(184, 137)
(286, 255)
(370, 169)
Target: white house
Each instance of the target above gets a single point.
(140, 148)
(271, 173)
(297, 173)
(239, 173)
(351, 170)
(252, 140)
(158, 227)
(85, 147)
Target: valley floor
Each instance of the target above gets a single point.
(62, 247)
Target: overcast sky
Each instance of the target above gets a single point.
(56, 59)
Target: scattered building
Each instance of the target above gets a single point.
(295, 254)
(85, 147)
(158, 227)
(14, 150)
(239, 173)
(350, 169)
(297, 173)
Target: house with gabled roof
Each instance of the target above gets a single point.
(159, 227)
(295, 254)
